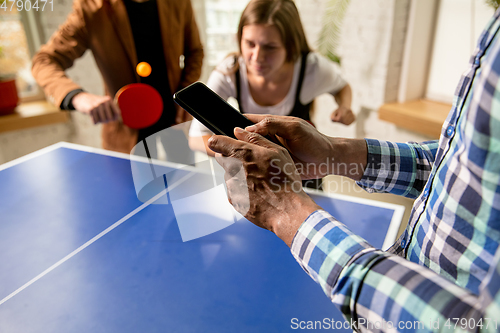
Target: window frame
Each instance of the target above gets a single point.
(33, 30)
(417, 54)
(417, 73)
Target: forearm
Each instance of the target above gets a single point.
(355, 276)
(51, 61)
(344, 97)
(401, 289)
(297, 208)
(50, 75)
(348, 157)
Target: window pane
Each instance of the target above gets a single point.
(15, 59)
(460, 22)
(222, 17)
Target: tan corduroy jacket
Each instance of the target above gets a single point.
(102, 26)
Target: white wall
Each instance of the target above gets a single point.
(459, 24)
(371, 49)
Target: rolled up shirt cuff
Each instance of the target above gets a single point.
(67, 103)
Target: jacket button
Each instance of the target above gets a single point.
(450, 130)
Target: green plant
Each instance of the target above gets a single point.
(493, 3)
(329, 38)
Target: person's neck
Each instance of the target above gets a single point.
(284, 75)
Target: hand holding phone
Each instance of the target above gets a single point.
(210, 109)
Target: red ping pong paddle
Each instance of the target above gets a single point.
(141, 105)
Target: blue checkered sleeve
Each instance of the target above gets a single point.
(378, 291)
(398, 168)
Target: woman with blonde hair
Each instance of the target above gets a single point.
(275, 71)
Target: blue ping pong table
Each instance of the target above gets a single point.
(79, 252)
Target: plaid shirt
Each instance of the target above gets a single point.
(446, 264)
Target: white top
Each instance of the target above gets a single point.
(321, 76)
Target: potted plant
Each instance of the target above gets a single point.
(8, 92)
(493, 3)
(331, 30)
(13, 59)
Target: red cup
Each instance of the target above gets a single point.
(8, 96)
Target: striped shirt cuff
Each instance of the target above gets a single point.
(323, 247)
(398, 168)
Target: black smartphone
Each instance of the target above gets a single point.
(210, 109)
